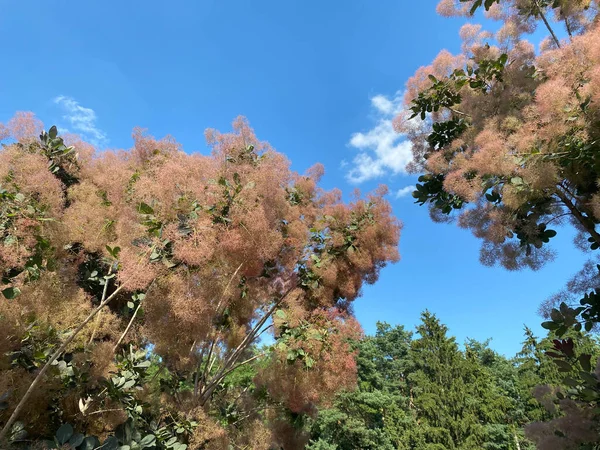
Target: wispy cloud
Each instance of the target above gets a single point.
(382, 151)
(405, 191)
(81, 120)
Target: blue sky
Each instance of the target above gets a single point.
(318, 80)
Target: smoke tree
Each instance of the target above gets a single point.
(137, 284)
(508, 138)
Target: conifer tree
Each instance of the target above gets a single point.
(378, 415)
(446, 386)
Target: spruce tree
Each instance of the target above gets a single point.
(453, 393)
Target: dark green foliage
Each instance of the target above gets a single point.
(479, 3)
(425, 393)
(377, 414)
(62, 160)
(431, 189)
(453, 393)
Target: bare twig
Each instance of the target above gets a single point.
(97, 321)
(232, 359)
(102, 411)
(586, 222)
(128, 327)
(568, 27)
(545, 20)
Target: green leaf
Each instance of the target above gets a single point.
(589, 378)
(129, 384)
(113, 251)
(64, 433)
(171, 441)
(589, 394)
(550, 325)
(516, 180)
(111, 444)
(563, 366)
(585, 361)
(571, 382)
(90, 443)
(76, 440)
(10, 293)
(53, 132)
(144, 208)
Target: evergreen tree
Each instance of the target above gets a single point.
(377, 415)
(447, 389)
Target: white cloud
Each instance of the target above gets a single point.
(405, 191)
(383, 104)
(82, 120)
(382, 151)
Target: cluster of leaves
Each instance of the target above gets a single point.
(321, 247)
(220, 211)
(62, 160)
(430, 189)
(126, 437)
(445, 93)
(479, 3)
(583, 383)
(37, 344)
(14, 206)
(289, 337)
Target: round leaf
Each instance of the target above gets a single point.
(64, 433)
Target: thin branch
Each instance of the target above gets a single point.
(207, 391)
(227, 287)
(196, 376)
(241, 364)
(257, 409)
(97, 321)
(586, 222)
(213, 336)
(568, 27)
(263, 331)
(206, 370)
(104, 411)
(242, 392)
(211, 363)
(543, 16)
(456, 111)
(128, 327)
(558, 217)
